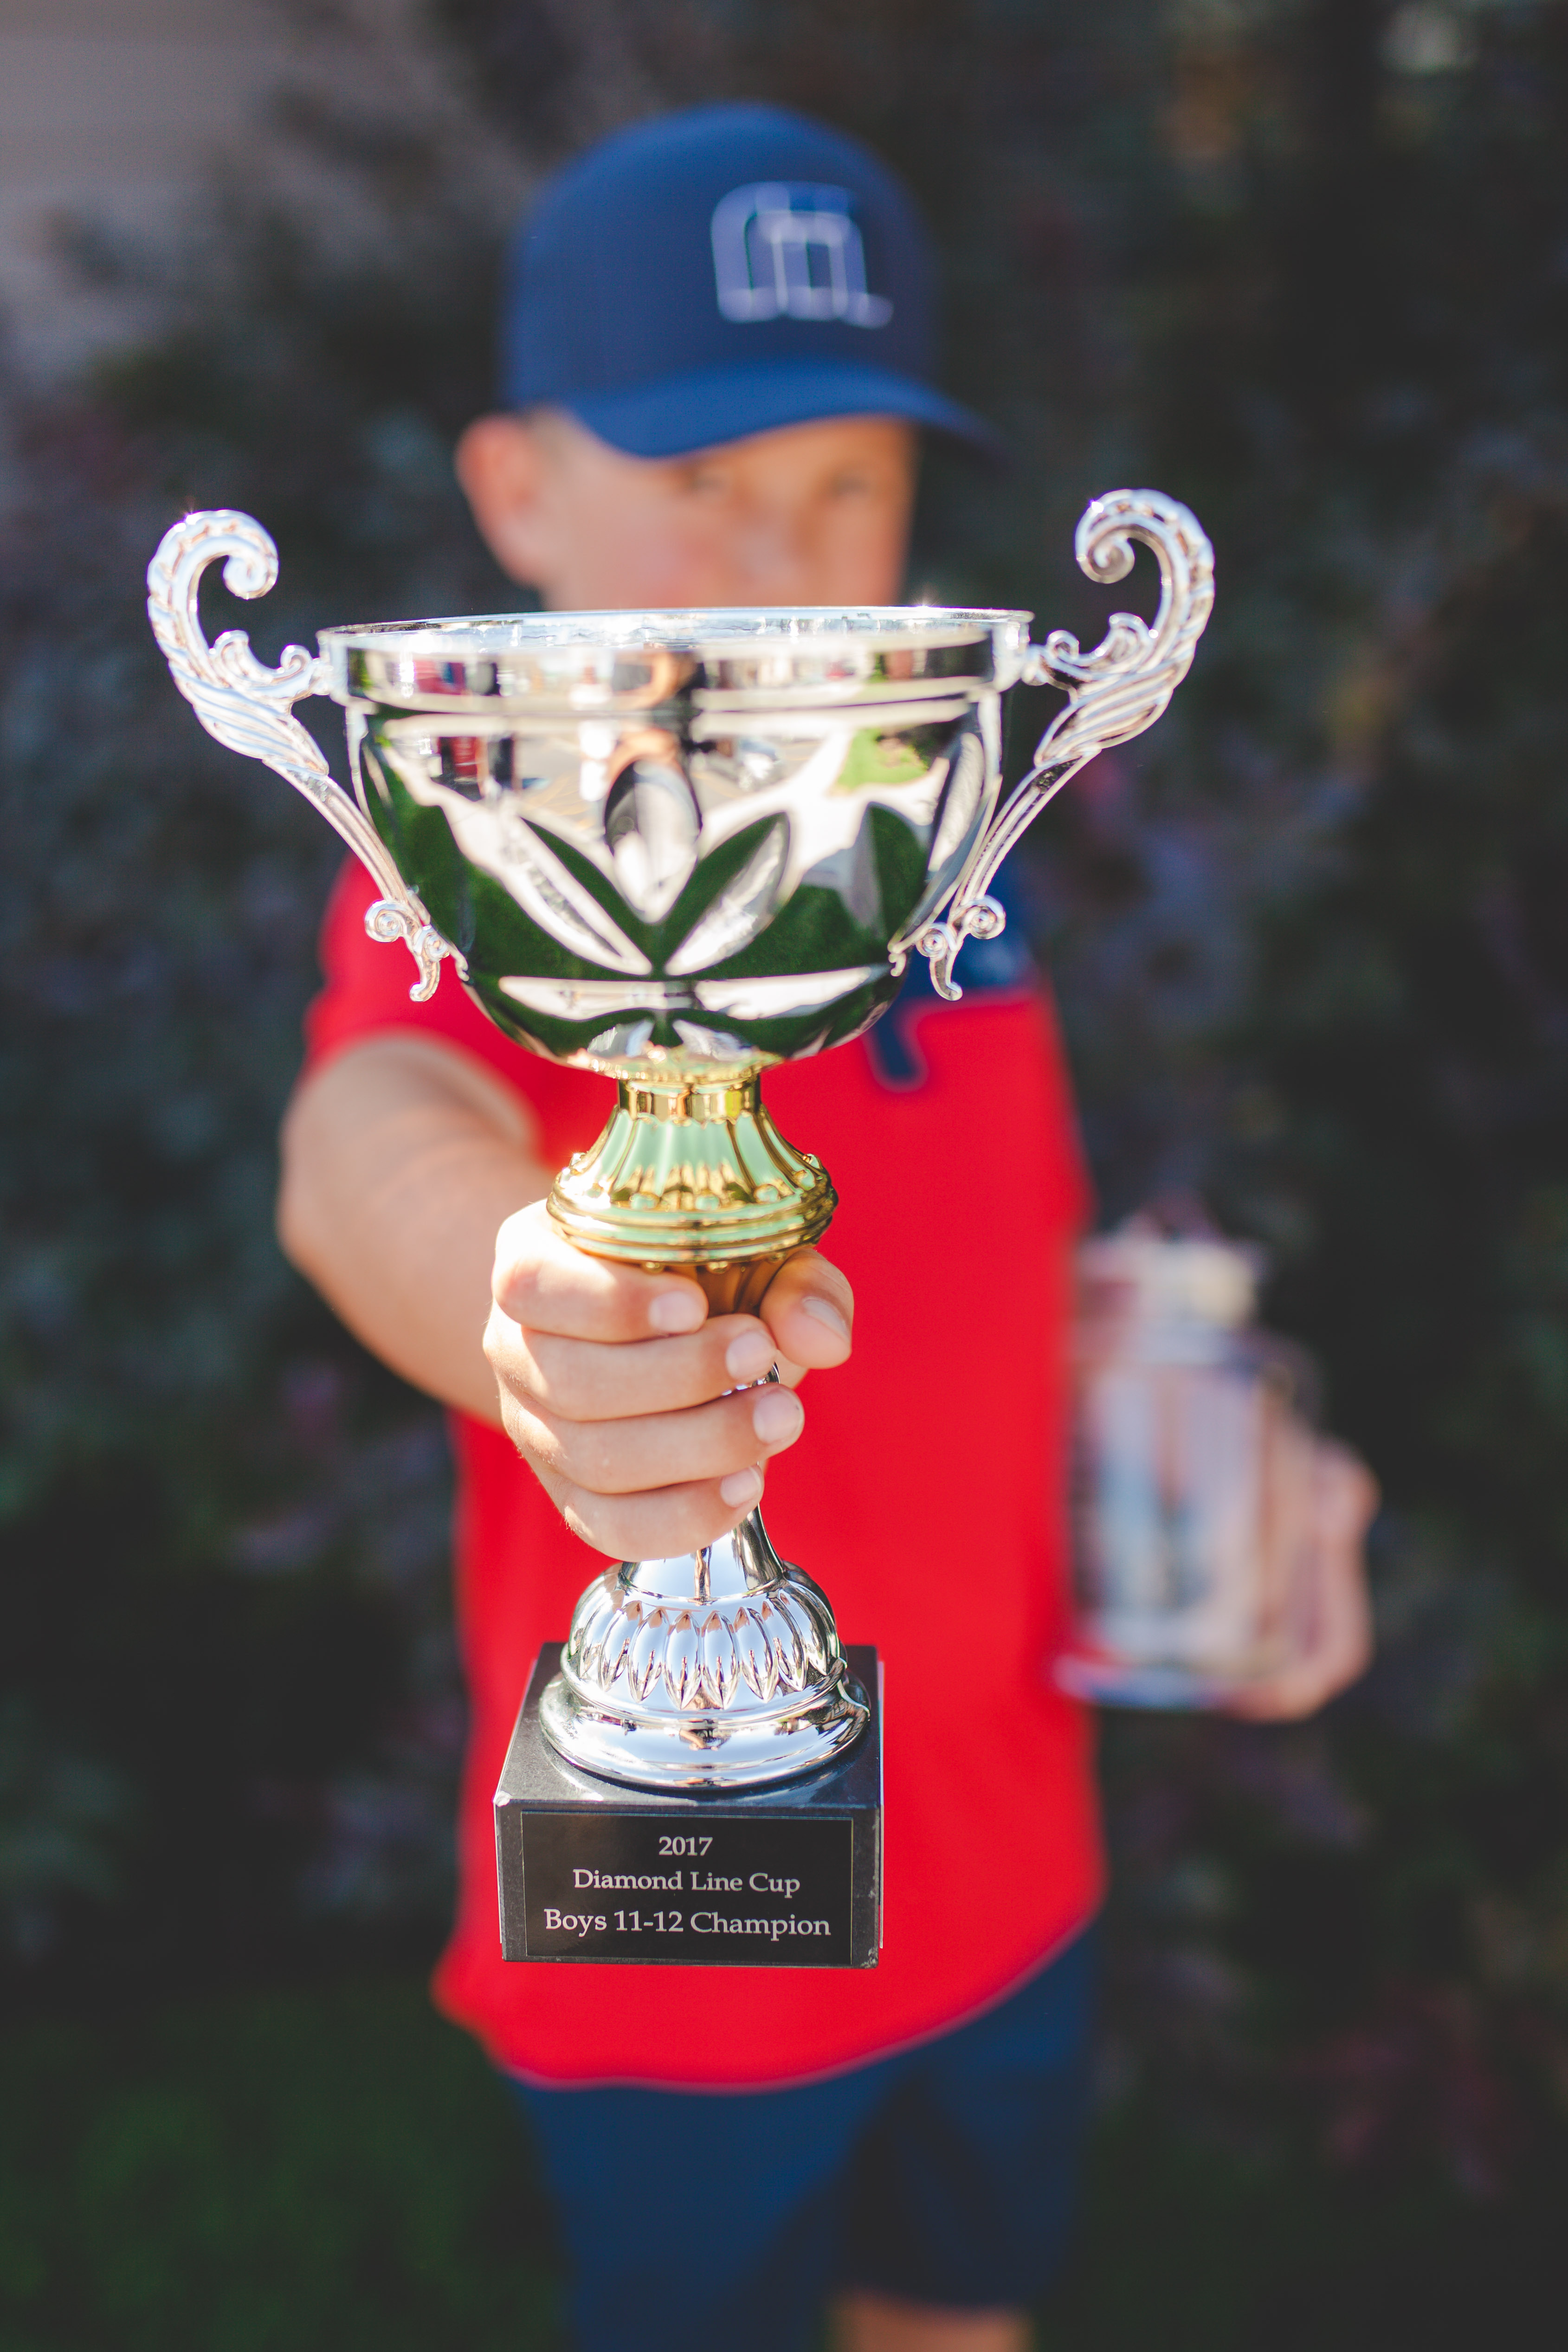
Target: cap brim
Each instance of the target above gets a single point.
(700, 412)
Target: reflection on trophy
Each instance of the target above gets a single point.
(678, 847)
(1192, 1474)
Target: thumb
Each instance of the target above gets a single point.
(810, 1308)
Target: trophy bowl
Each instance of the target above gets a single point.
(678, 847)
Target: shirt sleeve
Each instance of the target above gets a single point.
(366, 991)
(365, 994)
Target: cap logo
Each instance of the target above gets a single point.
(781, 250)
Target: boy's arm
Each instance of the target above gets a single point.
(400, 1161)
(406, 1168)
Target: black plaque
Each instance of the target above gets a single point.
(785, 1877)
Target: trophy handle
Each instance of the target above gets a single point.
(1114, 693)
(248, 708)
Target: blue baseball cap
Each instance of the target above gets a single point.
(719, 273)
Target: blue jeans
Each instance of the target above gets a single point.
(945, 2175)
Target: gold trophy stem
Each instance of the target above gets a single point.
(694, 1173)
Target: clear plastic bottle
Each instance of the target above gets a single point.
(1192, 1474)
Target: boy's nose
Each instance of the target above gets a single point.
(774, 557)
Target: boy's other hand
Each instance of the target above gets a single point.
(1333, 1644)
(615, 1385)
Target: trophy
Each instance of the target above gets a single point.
(677, 848)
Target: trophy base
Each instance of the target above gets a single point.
(719, 1669)
(648, 1747)
(596, 1872)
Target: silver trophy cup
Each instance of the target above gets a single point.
(678, 847)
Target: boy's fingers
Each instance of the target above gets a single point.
(1338, 1656)
(584, 1380)
(646, 1422)
(662, 1526)
(1339, 1611)
(811, 1310)
(540, 1280)
(1347, 1496)
(659, 1451)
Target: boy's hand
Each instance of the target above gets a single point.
(1333, 1644)
(613, 1385)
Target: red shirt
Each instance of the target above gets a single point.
(926, 1494)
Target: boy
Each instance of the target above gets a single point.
(717, 363)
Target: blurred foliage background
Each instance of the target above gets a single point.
(1302, 263)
